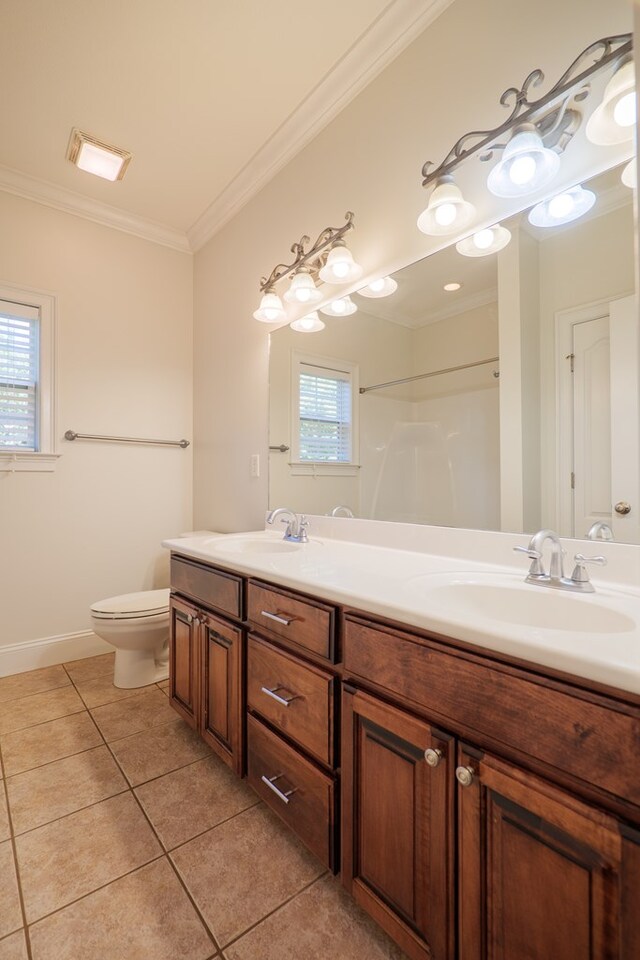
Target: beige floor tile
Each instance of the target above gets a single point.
(141, 712)
(101, 690)
(26, 749)
(191, 800)
(155, 752)
(90, 667)
(144, 916)
(69, 858)
(322, 921)
(35, 681)
(164, 685)
(14, 947)
(10, 913)
(4, 816)
(243, 869)
(28, 711)
(57, 789)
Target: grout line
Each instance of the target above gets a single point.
(15, 862)
(64, 816)
(238, 813)
(58, 686)
(46, 763)
(40, 723)
(159, 776)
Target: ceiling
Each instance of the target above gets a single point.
(210, 96)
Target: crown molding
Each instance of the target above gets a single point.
(51, 195)
(396, 27)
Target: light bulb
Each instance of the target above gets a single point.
(561, 206)
(483, 239)
(303, 295)
(309, 324)
(376, 286)
(270, 309)
(339, 306)
(522, 170)
(445, 214)
(624, 112)
(340, 268)
(380, 287)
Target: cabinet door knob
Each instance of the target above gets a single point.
(189, 618)
(465, 775)
(433, 756)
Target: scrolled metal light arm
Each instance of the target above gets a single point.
(312, 258)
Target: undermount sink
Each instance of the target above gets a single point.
(254, 545)
(506, 600)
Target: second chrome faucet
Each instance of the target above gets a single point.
(579, 579)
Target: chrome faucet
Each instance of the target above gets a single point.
(579, 579)
(296, 530)
(599, 531)
(341, 509)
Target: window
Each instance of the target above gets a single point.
(324, 416)
(26, 381)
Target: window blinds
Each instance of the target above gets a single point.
(325, 415)
(19, 364)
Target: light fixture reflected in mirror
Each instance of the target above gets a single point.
(452, 286)
(613, 121)
(382, 287)
(484, 242)
(447, 210)
(629, 175)
(309, 324)
(270, 309)
(526, 165)
(342, 307)
(340, 266)
(302, 288)
(563, 208)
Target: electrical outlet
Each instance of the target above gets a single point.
(255, 464)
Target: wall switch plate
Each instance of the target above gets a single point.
(255, 464)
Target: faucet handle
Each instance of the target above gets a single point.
(303, 523)
(580, 574)
(536, 569)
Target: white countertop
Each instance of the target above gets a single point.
(399, 584)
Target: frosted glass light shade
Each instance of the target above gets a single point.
(526, 165)
(97, 157)
(309, 324)
(485, 242)
(302, 289)
(270, 309)
(614, 120)
(340, 266)
(382, 287)
(563, 208)
(630, 174)
(342, 307)
(447, 210)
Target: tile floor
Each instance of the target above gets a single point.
(122, 837)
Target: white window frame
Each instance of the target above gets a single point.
(309, 468)
(45, 458)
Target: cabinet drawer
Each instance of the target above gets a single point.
(549, 721)
(294, 788)
(214, 588)
(305, 623)
(296, 698)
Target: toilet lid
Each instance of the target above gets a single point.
(147, 603)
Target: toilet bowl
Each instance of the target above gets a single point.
(137, 625)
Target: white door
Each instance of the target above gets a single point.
(625, 420)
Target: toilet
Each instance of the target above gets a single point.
(137, 625)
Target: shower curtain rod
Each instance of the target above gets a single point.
(433, 373)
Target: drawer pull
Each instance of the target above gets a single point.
(433, 757)
(270, 782)
(271, 692)
(285, 621)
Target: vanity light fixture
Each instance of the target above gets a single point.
(484, 242)
(613, 121)
(270, 309)
(342, 307)
(526, 165)
(452, 286)
(340, 266)
(308, 263)
(309, 324)
(97, 157)
(536, 132)
(382, 287)
(563, 208)
(447, 210)
(629, 175)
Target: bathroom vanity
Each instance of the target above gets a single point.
(478, 804)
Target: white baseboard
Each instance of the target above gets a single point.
(47, 651)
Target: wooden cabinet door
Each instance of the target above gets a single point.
(222, 714)
(184, 663)
(540, 872)
(397, 824)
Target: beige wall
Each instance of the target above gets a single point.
(367, 160)
(92, 528)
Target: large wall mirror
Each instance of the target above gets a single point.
(494, 392)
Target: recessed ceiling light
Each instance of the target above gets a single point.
(95, 156)
(452, 287)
